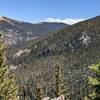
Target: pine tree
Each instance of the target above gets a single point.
(60, 81)
(95, 81)
(8, 87)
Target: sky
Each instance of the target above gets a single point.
(68, 11)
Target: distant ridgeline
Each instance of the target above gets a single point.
(17, 32)
(59, 63)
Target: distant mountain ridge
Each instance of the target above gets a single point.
(17, 31)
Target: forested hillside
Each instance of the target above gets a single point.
(58, 64)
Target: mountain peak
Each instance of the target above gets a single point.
(9, 20)
(2, 18)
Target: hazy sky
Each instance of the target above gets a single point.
(49, 10)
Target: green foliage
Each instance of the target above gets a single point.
(86, 98)
(95, 81)
(95, 68)
(8, 87)
(60, 82)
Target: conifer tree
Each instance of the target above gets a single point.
(95, 81)
(8, 87)
(60, 81)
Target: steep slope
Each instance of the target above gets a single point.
(73, 49)
(84, 35)
(17, 31)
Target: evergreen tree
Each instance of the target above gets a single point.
(95, 81)
(8, 88)
(60, 81)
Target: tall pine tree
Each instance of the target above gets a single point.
(60, 81)
(8, 87)
(95, 81)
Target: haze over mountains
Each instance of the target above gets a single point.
(17, 31)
